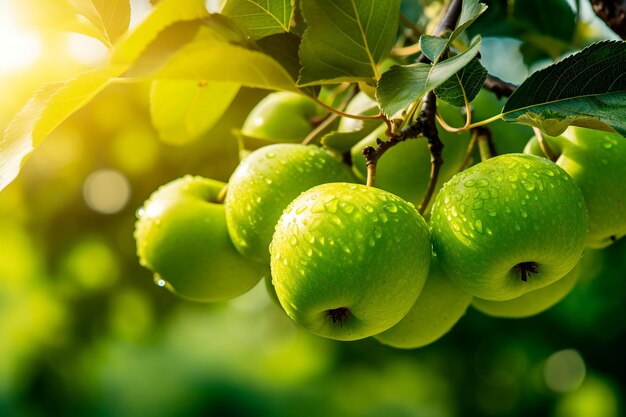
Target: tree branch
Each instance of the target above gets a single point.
(613, 13)
(499, 87)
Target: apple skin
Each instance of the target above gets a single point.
(281, 117)
(531, 303)
(405, 168)
(503, 214)
(265, 182)
(507, 137)
(440, 305)
(596, 160)
(361, 105)
(182, 236)
(352, 248)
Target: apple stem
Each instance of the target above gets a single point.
(543, 144)
(470, 150)
(485, 143)
(340, 315)
(219, 198)
(527, 268)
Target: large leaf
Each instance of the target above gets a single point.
(401, 85)
(183, 110)
(110, 18)
(49, 107)
(56, 102)
(586, 89)
(464, 85)
(346, 39)
(204, 60)
(165, 13)
(260, 17)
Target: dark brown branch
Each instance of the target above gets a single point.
(613, 13)
(448, 23)
(434, 145)
(499, 87)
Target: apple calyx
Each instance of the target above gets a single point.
(526, 268)
(340, 315)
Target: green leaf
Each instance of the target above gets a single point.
(49, 107)
(205, 60)
(260, 18)
(165, 13)
(470, 11)
(401, 85)
(346, 39)
(110, 18)
(586, 89)
(433, 46)
(182, 110)
(465, 84)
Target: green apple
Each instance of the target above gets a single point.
(266, 182)
(360, 105)
(596, 160)
(531, 303)
(438, 308)
(181, 235)
(282, 117)
(405, 168)
(349, 261)
(509, 225)
(507, 137)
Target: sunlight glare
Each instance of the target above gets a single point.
(19, 48)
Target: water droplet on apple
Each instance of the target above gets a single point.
(369, 208)
(482, 183)
(378, 232)
(528, 185)
(479, 226)
(391, 208)
(492, 213)
(140, 212)
(461, 209)
(470, 183)
(523, 213)
(478, 204)
(331, 206)
(270, 155)
(517, 226)
(512, 178)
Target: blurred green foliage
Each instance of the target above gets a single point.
(84, 332)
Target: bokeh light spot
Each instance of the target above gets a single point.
(106, 191)
(85, 49)
(564, 370)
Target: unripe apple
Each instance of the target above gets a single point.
(531, 303)
(181, 235)
(348, 261)
(596, 160)
(509, 225)
(281, 117)
(266, 182)
(360, 105)
(405, 168)
(438, 308)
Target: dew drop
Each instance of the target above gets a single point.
(270, 155)
(391, 208)
(517, 226)
(461, 208)
(482, 183)
(346, 207)
(470, 184)
(607, 145)
(140, 212)
(369, 208)
(523, 213)
(512, 178)
(331, 206)
(492, 213)
(378, 232)
(478, 204)
(479, 226)
(301, 209)
(528, 185)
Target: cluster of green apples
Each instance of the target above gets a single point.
(349, 261)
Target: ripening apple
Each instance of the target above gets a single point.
(405, 168)
(266, 182)
(531, 303)
(348, 261)
(596, 160)
(509, 225)
(181, 235)
(282, 117)
(440, 305)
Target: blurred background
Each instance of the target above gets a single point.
(84, 331)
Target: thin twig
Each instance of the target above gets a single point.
(378, 116)
(434, 145)
(329, 119)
